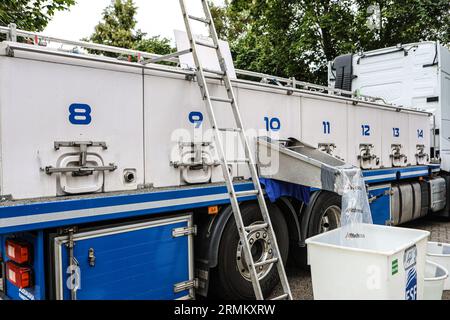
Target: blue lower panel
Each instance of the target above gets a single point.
(381, 207)
(37, 290)
(133, 264)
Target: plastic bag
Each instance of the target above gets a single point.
(355, 206)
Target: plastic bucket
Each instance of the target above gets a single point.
(440, 253)
(435, 276)
(389, 264)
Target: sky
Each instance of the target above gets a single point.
(156, 17)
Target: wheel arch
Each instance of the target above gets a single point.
(306, 215)
(291, 218)
(309, 210)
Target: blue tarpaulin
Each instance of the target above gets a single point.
(276, 189)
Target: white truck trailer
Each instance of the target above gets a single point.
(415, 75)
(111, 189)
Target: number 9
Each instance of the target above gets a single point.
(196, 118)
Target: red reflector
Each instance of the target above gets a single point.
(18, 251)
(17, 275)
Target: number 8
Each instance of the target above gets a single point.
(80, 114)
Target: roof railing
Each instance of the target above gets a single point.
(12, 33)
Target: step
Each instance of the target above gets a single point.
(204, 20)
(239, 161)
(256, 227)
(247, 193)
(265, 262)
(218, 72)
(219, 99)
(282, 297)
(206, 44)
(230, 129)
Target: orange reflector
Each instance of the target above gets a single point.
(17, 275)
(18, 251)
(213, 210)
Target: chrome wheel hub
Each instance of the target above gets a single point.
(331, 219)
(261, 250)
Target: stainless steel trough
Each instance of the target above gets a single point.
(297, 162)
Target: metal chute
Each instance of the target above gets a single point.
(299, 163)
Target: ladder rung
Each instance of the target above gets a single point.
(218, 72)
(230, 129)
(247, 193)
(239, 161)
(206, 44)
(218, 99)
(268, 261)
(256, 227)
(204, 20)
(282, 297)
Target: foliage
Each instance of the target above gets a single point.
(117, 28)
(298, 37)
(31, 15)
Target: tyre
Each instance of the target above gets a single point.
(326, 213)
(231, 279)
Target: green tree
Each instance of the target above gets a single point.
(403, 21)
(31, 15)
(154, 44)
(298, 37)
(117, 28)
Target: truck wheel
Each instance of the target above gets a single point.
(326, 213)
(232, 279)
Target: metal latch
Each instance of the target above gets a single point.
(195, 155)
(397, 155)
(73, 269)
(81, 169)
(421, 155)
(366, 155)
(185, 231)
(91, 257)
(186, 285)
(366, 152)
(327, 147)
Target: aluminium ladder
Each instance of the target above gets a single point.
(231, 100)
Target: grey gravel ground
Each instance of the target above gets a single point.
(300, 280)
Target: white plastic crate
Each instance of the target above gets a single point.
(435, 276)
(388, 264)
(440, 253)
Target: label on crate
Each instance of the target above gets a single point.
(410, 262)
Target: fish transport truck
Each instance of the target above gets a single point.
(122, 178)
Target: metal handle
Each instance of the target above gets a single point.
(82, 169)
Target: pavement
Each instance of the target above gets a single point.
(300, 279)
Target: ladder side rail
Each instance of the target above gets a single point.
(244, 139)
(224, 162)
